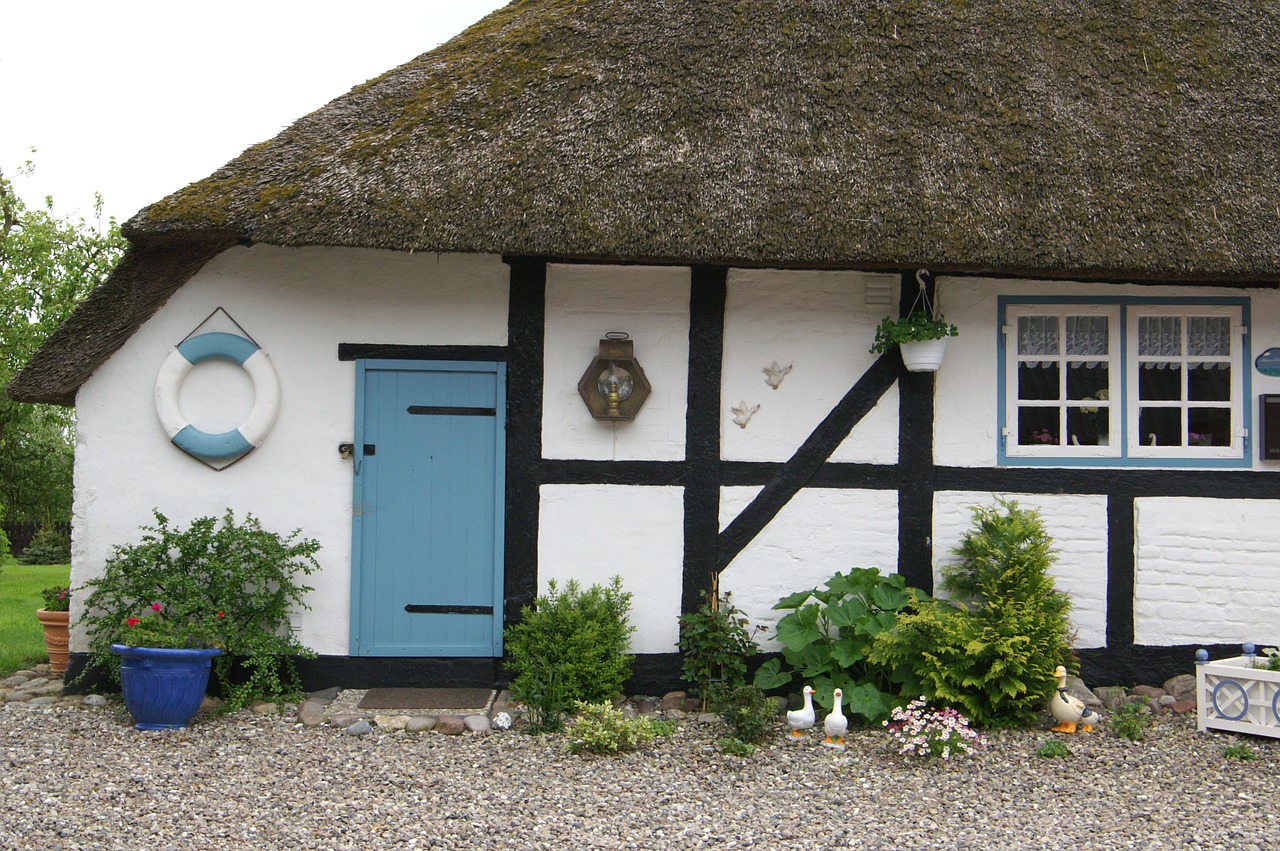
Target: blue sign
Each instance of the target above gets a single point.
(1268, 363)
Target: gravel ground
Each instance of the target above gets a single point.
(81, 778)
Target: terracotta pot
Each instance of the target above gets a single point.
(56, 637)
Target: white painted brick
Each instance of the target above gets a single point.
(819, 323)
(1206, 571)
(593, 532)
(819, 532)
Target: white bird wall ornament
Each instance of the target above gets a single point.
(743, 413)
(773, 375)
(802, 718)
(835, 725)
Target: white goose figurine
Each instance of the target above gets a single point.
(802, 718)
(835, 725)
(1070, 711)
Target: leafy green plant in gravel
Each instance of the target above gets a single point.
(570, 646)
(599, 728)
(236, 575)
(1130, 721)
(1053, 748)
(1240, 751)
(828, 634)
(715, 642)
(731, 746)
(993, 648)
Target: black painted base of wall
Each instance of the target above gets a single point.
(651, 673)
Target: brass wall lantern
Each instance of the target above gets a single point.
(614, 386)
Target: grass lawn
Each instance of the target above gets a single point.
(21, 637)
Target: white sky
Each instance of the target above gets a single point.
(136, 99)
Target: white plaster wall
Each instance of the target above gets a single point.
(966, 432)
(1206, 571)
(819, 532)
(594, 532)
(819, 323)
(298, 304)
(583, 303)
(1078, 524)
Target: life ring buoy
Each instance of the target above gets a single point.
(266, 396)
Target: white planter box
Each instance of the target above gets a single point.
(1232, 695)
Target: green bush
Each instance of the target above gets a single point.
(570, 646)
(716, 644)
(49, 545)
(601, 729)
(4, 541)
(235, 578)
(747, 712)
(993, 649)
(827, 637)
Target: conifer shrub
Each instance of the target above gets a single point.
(570, 646)
(49, 545)
(991, 649)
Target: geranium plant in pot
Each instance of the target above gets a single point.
(165, 659)
(219, 589)
(921, 335)
(54, 618)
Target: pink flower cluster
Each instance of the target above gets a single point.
(932, 732)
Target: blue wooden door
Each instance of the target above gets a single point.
(428, 508)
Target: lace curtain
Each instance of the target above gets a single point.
(1039, 336)
(1207, 336)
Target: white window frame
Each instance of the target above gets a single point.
(1236, 403)
(1124, 448)
(1012, 403)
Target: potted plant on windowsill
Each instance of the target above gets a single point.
(921, 337)
(54, 618)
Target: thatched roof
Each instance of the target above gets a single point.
(1095, 139)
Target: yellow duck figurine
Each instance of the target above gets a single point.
(802, 718)
(1069, 711)
(835, 725)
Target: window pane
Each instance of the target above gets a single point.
(1088, 428)
(1037, 336)
(1208, 336)
(1086, 335)
(1209, 427)
(1038, 427)
(1160, 382)
(1160, 336)
(1038, 382)
(1159, 426)
(1087, 382)
(1209, 382)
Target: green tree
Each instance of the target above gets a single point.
(47, 265)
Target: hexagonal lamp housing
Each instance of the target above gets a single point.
(614, 386)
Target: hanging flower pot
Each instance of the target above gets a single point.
(923, 355)
(163, 687)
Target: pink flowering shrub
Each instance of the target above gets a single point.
(931, 732)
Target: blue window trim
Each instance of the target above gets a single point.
(1125, 302)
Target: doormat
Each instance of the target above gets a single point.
(461, 699)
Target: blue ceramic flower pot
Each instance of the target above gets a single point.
(163, 688)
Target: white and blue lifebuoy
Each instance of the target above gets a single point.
(266, 396)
